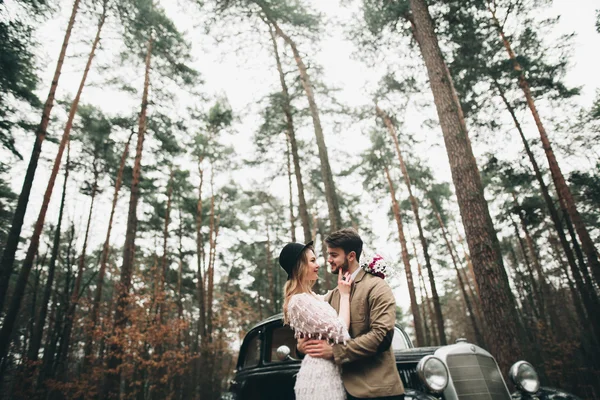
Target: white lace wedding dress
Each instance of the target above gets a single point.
(312, 317)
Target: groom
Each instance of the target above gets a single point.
(367, 361)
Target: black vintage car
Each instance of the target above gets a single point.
(268, 364)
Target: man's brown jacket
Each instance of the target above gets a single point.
(368, 362)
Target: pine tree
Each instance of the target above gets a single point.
(503, 330)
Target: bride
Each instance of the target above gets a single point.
(312, 317)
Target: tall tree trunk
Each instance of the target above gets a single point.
(36, 338)
(564, 193)
(12, 241)
(269, 265)
(209, 271)
(33, 304)
(180, 269)
(414, 306)
(104, 258)
(439, 318)
(461, 282)
(200, 253)
(426, 315)
(330, 191)
(291, 191)
(112, 378)
(428, 310)
(291, 136)
(503, 330)
(161, 388)
(164, 258)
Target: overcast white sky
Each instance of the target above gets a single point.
(247, 78)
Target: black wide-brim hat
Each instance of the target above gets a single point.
(288, 258)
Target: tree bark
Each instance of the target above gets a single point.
(330, 191)
(563, 190)
(112, 378)
(414, 306)
(415, 208)
(104, 258)
(12, 241)
(503, 330)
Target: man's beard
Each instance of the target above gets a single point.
(343, 268)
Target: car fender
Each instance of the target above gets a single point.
(545, 393)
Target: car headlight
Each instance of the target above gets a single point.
(433, 373)
(524, 377)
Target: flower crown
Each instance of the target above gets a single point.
(375, 265)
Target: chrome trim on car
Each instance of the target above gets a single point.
(443, 353)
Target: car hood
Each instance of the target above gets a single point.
(414, 354)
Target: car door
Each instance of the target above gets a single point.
(262, 374)
(279, 372)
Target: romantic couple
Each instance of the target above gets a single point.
(346, 335)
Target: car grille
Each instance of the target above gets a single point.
(476, 376)
(410, 377)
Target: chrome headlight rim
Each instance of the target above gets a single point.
(421, 372)
(514, 374)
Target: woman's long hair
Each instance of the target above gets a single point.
(297, 283)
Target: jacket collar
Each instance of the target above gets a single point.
(360, 276)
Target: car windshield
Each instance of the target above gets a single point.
(281, 336)
(399, 341)
(252, 356)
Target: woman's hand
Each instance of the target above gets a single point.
(344, 286)
(344, 283)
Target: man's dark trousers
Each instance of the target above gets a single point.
(399, 397)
